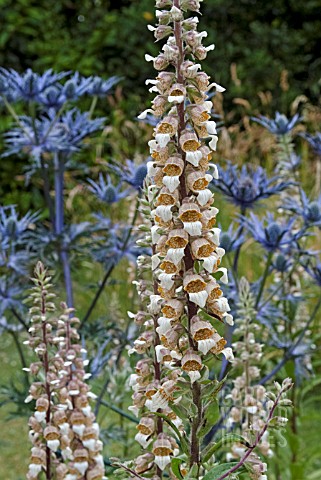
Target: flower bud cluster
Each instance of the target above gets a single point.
(186, 261)
(251, 404)
(63, 428)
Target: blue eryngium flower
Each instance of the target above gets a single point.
(272, 235)
(99, 87)
(13, 228)
(131, 173)
(246, 186)
(48, 135)
(29, 85)
(10, 295)
(309, 210)
(315, 272)
(314, 141)
(106, 191)
(280, 125)
(231, 239)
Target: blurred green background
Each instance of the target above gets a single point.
(261, 46)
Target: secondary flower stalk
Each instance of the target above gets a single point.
(63, 430)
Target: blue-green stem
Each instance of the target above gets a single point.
(265, 276)
(59, 225)
(110, 269)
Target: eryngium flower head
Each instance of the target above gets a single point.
(309, 210)
(280, 125)
(231, 239)
(106, 191)
(246, 186)
(314, 141)
(272, 235)
(315, 272)
(44, 135)
(131, 173)
(29, 85)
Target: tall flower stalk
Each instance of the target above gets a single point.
(173, 395)
(63, 429)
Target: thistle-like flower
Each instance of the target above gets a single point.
(63, 429)
(185, 305)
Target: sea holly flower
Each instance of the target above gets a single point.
(309, 210)
(231, 239)
(130, 173)
(30, 85)
(314, 270)
(280, 125)
(314, 141)
(271, 234)
(45, 135)
(106, 191)
(246, 186)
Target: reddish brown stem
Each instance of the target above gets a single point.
(47, 386)
(188, 259)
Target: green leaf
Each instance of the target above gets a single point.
(212, 389)
(175, 464)
(212, 414)
(209, 450)
(219, 470)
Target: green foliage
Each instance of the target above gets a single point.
(219, 470)
(101, 37)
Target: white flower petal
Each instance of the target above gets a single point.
(164, 325)
(194, 375)
(224, 278)
(213, 142)
(163, 461)
(155, 261)
(194, 157)
(204, 196)
(155, 304)
(143, 440)
(40, 416)
(216, 235)
(81, 467)
(171, 182)
(176, 99)
(53, 445)
(166, 280)
(205, 346)
(162, 139)
(143, 115)
(199, 298)
(211, 127)
(209, 262)
(164, 212)
(193, 228)
(228, 354)
(228, 318)
(175, 255)
(149, 58)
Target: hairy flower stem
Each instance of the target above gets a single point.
(188, 260)
(256, 442)
(59, 226)
(47, 385)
